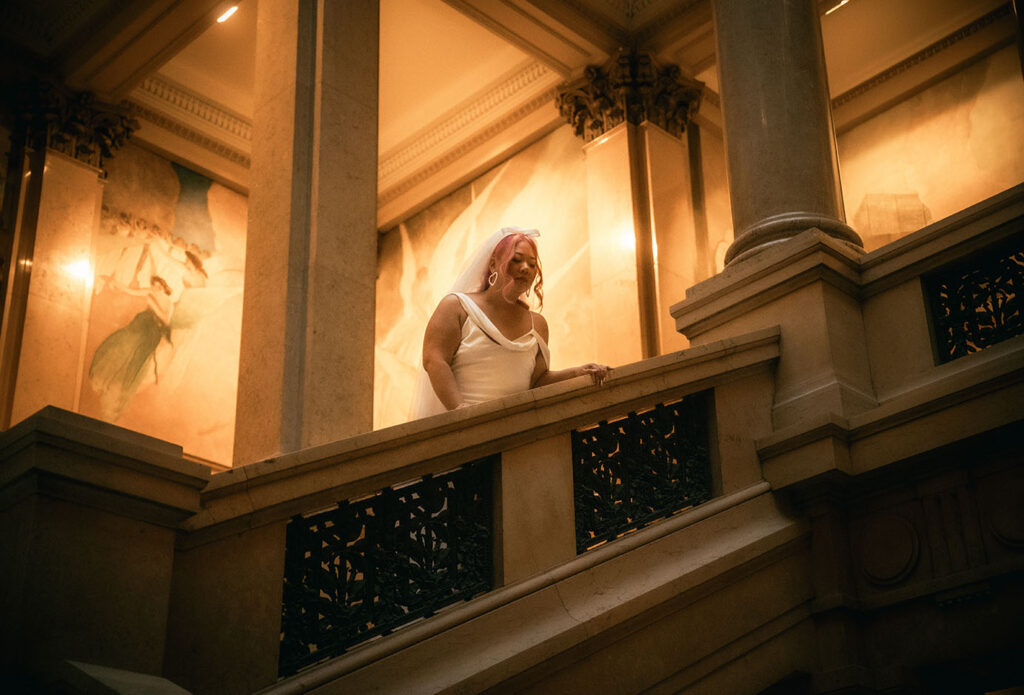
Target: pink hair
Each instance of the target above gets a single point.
(502, 256)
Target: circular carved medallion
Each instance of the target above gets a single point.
(889, 550)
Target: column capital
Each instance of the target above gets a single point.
(631, 87)
(73, 123)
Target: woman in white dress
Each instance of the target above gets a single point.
(485, 344)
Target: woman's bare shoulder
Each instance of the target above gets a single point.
(450, 307)
(540, 324)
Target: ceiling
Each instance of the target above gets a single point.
(434, 56)
(450, 70)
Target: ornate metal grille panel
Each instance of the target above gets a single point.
(975, 304)
(371, 565)
(641, 468)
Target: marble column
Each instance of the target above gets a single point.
(306, 362)
(780, 143)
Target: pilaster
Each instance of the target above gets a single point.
(306, 364)
(51, 208)
(633, 113)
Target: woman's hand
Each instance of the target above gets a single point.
(598, 372)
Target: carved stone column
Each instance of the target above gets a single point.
(59, 143)
(633, 113)
(306, 361)
(782, 162)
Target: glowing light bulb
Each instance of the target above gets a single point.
(79, 269)
(227, 15)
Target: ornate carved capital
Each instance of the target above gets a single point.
(73, 123)
(630, 88)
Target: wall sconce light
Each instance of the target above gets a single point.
(79, 269)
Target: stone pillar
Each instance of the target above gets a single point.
(782, 162)
(618, 109)
(306, 362)
(51, 210)
(89, 514)
(534, 524)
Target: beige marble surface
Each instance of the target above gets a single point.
(60, 288)
(306, 364)
(942, 150)
(613, 264)
(535, 512)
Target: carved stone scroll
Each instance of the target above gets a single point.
(73, 123)
(631, 88)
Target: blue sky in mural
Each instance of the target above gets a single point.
(192, 220)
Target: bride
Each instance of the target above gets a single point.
(483, 341)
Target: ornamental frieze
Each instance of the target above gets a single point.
(633, 88)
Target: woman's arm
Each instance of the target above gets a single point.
(542, 376)
(440, 341)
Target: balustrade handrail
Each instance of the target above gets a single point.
(943, 242)
(317, 478)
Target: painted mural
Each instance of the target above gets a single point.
(542, 187)
(165, 320)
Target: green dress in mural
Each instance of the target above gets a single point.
(164, 269)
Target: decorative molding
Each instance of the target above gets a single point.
(462, 118)
(437, 164)
(188, 132)
(921, 56)
(178, 97)
(630, 88)
(72, 123)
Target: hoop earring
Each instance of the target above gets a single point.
(492, 278)
(528, 291)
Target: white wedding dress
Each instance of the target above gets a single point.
(487, 365)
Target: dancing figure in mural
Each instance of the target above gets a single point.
(131, 356)
(483, 341)
(169, 271)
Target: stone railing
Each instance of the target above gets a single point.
(554, 525)
(290, 552)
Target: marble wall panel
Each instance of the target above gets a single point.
(163, 336)
(542, 187)
(59, 288)
(716, 196)
(944, 149)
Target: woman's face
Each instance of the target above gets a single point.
(522, 269)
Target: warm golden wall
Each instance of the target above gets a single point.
(542, 187)
(950, 146)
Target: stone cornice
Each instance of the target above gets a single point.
(467, 117)
(923, 55)
(189, 132)
(179, 97)
(463, 147)
(194, 117)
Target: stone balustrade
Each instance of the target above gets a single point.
(123, 554)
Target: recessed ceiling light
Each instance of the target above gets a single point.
(234, 8)
(836, 7)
